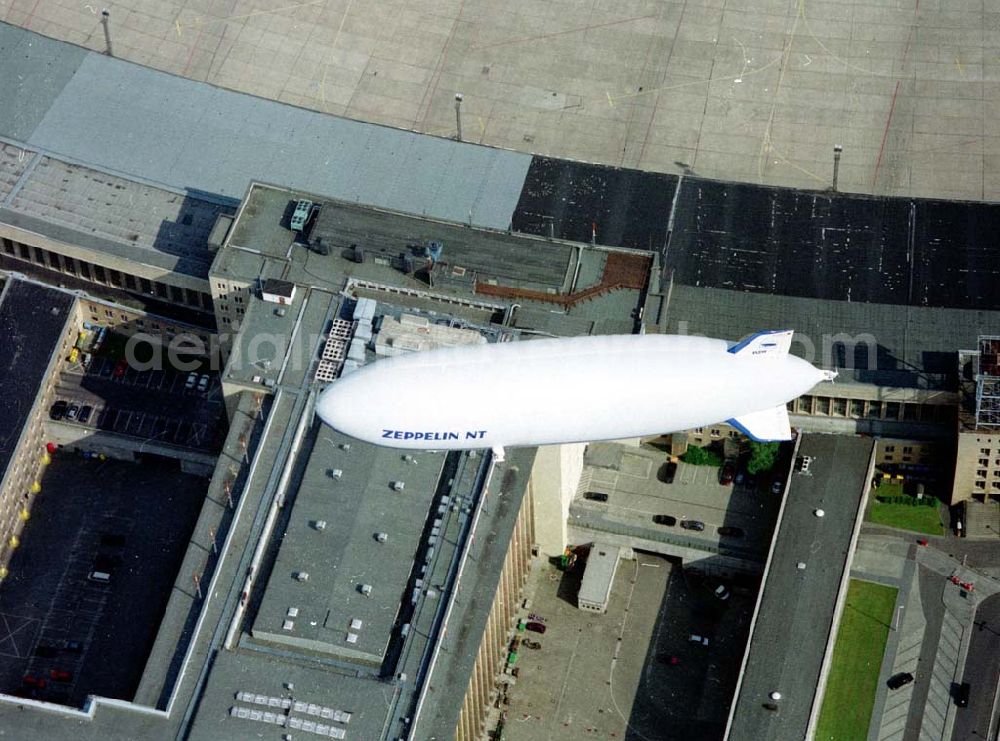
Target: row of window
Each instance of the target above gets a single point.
(107, 276)
(864, 409)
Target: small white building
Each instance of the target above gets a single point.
(277, 291)
(595, 590)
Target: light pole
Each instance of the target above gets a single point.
(105, 15)
(837, 149)
(458, 115)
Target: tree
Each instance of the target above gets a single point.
(701, 457)
(762, 457)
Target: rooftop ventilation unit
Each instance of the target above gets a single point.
(381, 537)
(410, 459)
(352, 637)
(293, 612)
(301, 215)
(288, 625)
(280, 311)
(320, 525)
(405, 630)
(365, 589)
(356, 624)
(346, 447)
(302, 575)
(335, 473)
(398, 485)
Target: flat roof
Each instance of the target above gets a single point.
(796, 606)
(560, 288)
(32, 321)
(104, 112)
(126, 219)
(344, 553)
(911, 346)
(602, 562)
(916, 252)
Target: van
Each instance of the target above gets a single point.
(101, 577)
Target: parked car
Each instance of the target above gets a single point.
(962, 695)
(58, 410)
(696, 525)
(85, 413)
(535, 627)
(528, 643)
(731, 531)
(665, 520)
(669, 471)
(703, 640)
(191, 381)
(596, 496)
(740, 478)
(120, 367)
(727, 473)
(899, 680)
(777, 486)
(61, 675)
(73, 412)
(73, 647)
(203, 383)
(721, 592)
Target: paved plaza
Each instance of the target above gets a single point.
(758, 91)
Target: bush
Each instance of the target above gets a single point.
(908, 500)
(701, 457)
(762, 456)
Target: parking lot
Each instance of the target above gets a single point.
(632, 673)
(65, 635)
(169, 405)
(739, 515)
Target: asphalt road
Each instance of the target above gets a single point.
(982, 670)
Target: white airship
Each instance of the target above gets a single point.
(578, 389)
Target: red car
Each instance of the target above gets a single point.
(728, 473)
(61, 675)
(120, 367)
(33, 681)
(536, 627)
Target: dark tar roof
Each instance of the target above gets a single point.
(32, 318)
(796, 609)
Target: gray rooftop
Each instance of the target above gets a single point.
(602, 562)
(796, 606)
(120, 117)
(345, 554)
(90, 208)
(32, 320)
(914, 346)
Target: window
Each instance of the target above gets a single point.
(177, 294)
(124, 317)
(109, 314)
(222, 286)
(225, 320)
(161, 290)
(238, 299)
(857, 408)
(240, 313)
(715, 433)
(130, 282)
(99, 274)
(995, 484)
(8, 246)
(116, 278)
(699, 430)
(890, 448)
(25, 252)
(985, 451)
(140, 323)
(984, 461)
(980, 484)
(145, 286)
(907, 459)
(981, 473)
(907, 449)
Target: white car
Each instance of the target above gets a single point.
(721, 592)
(203, 383)
(192, 379)
(698, 639)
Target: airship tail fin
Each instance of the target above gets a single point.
(765, 344)
(764, 426)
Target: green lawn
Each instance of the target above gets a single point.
(857, 658)
(918, 519)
